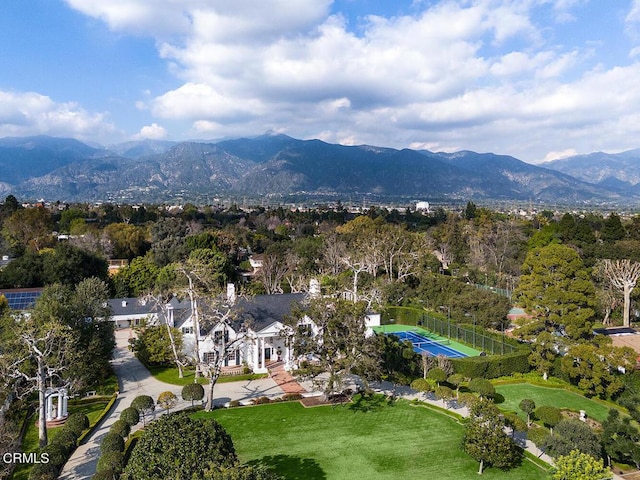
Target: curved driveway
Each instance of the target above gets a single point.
(134, 379)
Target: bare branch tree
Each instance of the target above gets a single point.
(272, 273)
(39, 356)
(623, 275)
(162, 307)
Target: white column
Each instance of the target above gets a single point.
(59, 405)
(65, 402)
(262, 364)
(49, 406)
(256, 353)
(287, 356)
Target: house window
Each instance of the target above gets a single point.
(209, 357)
(217, 337)
(232, 357)
(187, 330)
(304, 329)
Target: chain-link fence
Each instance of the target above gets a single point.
(474, 336)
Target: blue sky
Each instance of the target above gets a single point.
(537, 79)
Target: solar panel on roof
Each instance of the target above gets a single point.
(21, 300)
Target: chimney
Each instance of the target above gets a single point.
(314, 288)
(231, 292)
(124, 303)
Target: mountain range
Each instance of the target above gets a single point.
(287, 169)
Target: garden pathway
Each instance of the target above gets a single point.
(134, 379)
(285, 381)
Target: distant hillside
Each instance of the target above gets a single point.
(141, 148)
(615, 171)
(278, 166)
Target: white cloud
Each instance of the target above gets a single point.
(570, 152)
(482, 74)
(634, 13)
(30, 113)
(153, 132)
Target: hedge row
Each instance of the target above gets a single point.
(493, 366)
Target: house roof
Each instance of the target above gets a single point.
(130, 306)
(263, 310)
(258, 311)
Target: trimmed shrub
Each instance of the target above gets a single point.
(538, 435)
(120, 427)
(57, 454)
(145, 406)
(234, 403)
(437, 374)
(43, 471)
(192, 392)
(77, 423)
(105, 475)
(548, 415)
(167, 400)
(482, 387)
(288, 397)
(467, 399)
(261, 400)
(67, 439)
(111, 461)
(131, 416)
(421, 385)
(112, 443)
(493, 366)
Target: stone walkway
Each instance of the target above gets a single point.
(285, 380)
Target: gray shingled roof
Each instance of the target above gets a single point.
(263, 310)
(260, 311)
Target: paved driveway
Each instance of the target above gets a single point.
(134, 380)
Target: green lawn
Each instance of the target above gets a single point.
(372, 440)
(169, 374)
(556, 397)
(91, 408)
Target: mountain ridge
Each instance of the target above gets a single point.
(276, 165)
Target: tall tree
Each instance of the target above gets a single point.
(557, 288)
(37, 355)
(598, 369)
(620, 439)
(623, 275)
(578, 465)
(485, 438)
(336, 338)
(30, 228)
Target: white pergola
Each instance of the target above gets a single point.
(58, 412)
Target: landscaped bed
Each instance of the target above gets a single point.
(373, 439)
(556, 397)
(169, 374)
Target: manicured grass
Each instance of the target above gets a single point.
(169, 374)
(556, 397)
(372, 439)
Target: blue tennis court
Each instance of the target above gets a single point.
(422, 344)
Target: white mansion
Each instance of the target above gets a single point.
(256, 330)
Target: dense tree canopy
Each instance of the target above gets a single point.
(177, 446)
(557, 287)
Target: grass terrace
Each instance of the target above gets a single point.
(557, 397)
(370, 438)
